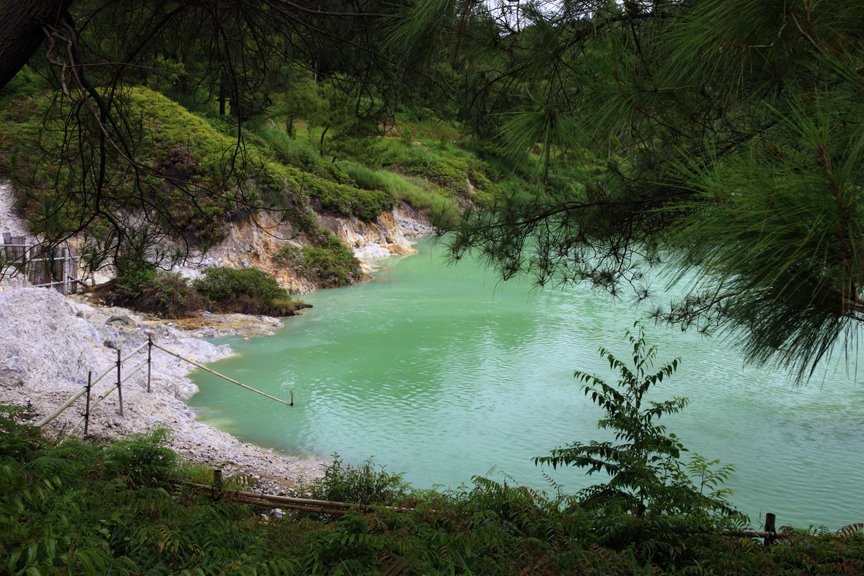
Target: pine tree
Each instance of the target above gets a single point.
(730, 136)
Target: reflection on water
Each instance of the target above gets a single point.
(445, 372)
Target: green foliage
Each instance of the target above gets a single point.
(25, 82)
(201, 164)
(84, 509)
(418, 193)
(18, 441)
(644, 462)
(245, 290)
(420, 123)
(441, 163)
(347, 200)
(729, 131)
(146, 289)
(776, 235)
(144, 459)
(292, 151)
(67, 461)
(224, 290)
(364, 484)
(192, 177)
(329, 266)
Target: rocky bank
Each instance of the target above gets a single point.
(49, 343)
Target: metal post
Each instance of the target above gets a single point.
(149, 358)
(119, 389)
(87, 407)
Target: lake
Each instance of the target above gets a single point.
(444, 372)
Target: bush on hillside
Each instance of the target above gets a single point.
(144, 459)
(245, 290)
(347, 200)
(329, 266)
(157, 292)
(365, 484)
(222, 290)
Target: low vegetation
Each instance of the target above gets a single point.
(224, 290)
(329, 266)
(153, 291)
(95, 508)
(245, 290)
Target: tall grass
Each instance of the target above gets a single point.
(415, 192)
(292, 151)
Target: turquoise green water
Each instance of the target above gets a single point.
(444, 372)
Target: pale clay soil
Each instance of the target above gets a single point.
(49, 342)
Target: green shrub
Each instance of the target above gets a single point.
(18, 441)
(69, 461)
(329, 266)
(439, 204)
(143, 458)
(292, 151)
(365, 484)
(25, 82)
(146, 289)
(245, 290)
(644, 462)
(347, 200)
(201, 178)
(443, 164)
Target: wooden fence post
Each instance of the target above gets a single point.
(771, 528)
(119, 383)
(149, 358)
(87, 407)
(217, 483)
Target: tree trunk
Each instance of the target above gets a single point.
(21, 23)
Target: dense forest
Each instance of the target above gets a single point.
(572, 141)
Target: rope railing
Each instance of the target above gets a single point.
(224, 377)
(105, 395)
(120, 380)
(83, 391)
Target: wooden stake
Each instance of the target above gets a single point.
(87, 407)
(217, 483)
(119, 382)
(149, 359)
(770, 528)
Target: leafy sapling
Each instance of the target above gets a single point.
(643, 461)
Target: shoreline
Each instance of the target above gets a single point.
(51, 342)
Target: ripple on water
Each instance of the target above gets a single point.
(442, 372)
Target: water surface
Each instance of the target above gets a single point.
(444, 372)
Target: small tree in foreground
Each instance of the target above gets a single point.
(643, 461)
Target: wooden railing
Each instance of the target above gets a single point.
(50, 267)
